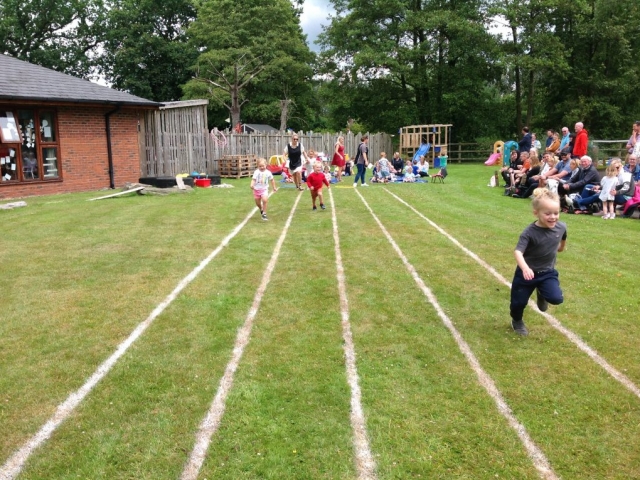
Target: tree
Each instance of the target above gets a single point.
(252, 51)
(533, 51)
(146, 49)
(58, 34)
(602, 41)
(434, 57)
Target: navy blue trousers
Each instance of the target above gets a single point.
(521, 289)
(361, 171)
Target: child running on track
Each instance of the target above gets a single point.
(260, 186)
(536, 254)
(315, 181)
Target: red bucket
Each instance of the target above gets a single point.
(203, 182)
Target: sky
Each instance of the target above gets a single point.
(314, 16)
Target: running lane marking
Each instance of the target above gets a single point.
(538, 458)
(555, 323)
(212, 419)
(12, 468)
(365, 464)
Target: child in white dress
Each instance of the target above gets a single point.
(607, 186)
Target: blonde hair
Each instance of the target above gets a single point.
(262, 161)
(573, 164)
(535, 161)
(542, 194)
(612, 170)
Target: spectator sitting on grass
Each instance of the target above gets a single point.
(423, 167)
(587, 175)
(408, 176)
(383, 168)
(561, 171)
(548, 163)
(397, 163)
(633, 168)
(516, 174)
(514, 164)
(525, 181)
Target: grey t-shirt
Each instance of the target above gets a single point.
(362, 149)
(539, 245)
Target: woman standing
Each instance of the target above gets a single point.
(338, 158)
(294, 152)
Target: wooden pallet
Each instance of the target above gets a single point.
(237, 166)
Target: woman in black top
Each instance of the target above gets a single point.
(294, 152)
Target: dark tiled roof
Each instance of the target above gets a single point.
(24, 81)
(258, 127)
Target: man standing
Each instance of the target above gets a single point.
(635, 136)
(524, 145)
(565, 138)
(361, 161)
(549, 138)
(582, 138)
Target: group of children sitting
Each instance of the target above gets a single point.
(384, 170)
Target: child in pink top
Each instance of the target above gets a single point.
(260, 186)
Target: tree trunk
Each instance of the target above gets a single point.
(530, 98)
(235, 105)
(284, 114)
(514, 32)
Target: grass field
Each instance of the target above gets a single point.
(445, 387)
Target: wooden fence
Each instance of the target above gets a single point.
(176, 142)
(599, 150)
(268, 144)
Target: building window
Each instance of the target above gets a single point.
(29, 148)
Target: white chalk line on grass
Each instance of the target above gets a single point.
(12, 468)
(365, 463)
(555, 323)
(538, 458)
(212, 419)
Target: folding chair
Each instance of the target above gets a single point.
(442, 173)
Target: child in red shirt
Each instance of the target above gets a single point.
(315, 181)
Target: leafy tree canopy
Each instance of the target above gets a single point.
(58, 34)
(146, 49)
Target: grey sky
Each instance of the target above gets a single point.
(314, 16)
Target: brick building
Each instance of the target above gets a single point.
(62, 134)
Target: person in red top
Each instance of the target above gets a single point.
(315, 182)
(580, 143)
